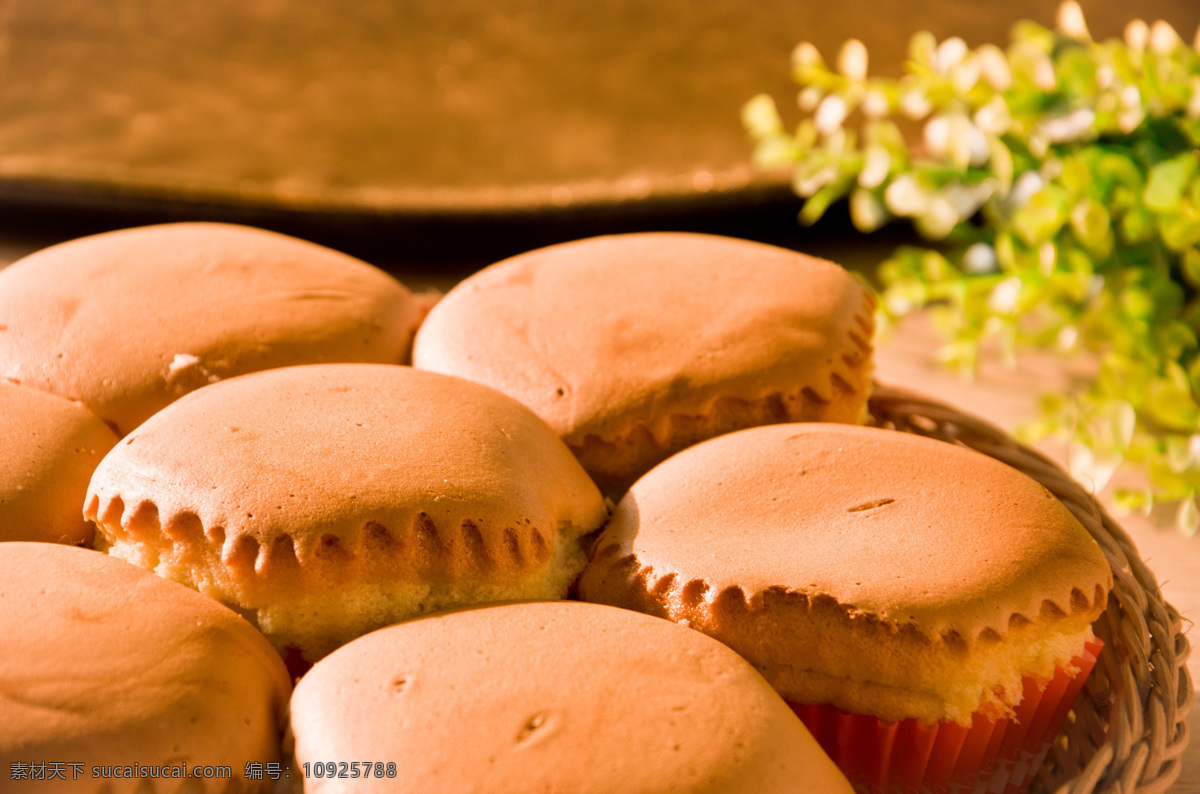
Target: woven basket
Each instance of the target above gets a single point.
(1127, 730)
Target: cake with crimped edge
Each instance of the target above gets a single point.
(635, 346)
(125, 322)
(325, 501)
(114, 680)
(881, 572)
(563, 697)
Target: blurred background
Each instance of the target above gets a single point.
(435, 135)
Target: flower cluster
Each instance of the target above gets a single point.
(1060, 182)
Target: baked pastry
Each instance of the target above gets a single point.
(875, 572)
(126, 322)
(51, 447)
(635, 346)
(325, 501)
(115, 680)
(557, 696)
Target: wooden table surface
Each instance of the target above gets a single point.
(1007, 397)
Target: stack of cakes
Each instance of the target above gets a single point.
(234, 411)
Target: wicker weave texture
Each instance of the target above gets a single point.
(1128, 728)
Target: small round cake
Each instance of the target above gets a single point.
(325, 501)
(51, 447)
(128, 321)
(118, 681)
(875, 572)
(635, 346)
(562, 697)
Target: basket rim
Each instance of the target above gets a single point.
(1128, 728)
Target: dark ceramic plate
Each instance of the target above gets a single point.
(423, 109)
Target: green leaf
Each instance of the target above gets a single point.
(1181, 229)
(1167, 182)
(1119, 168)
(1169, 401)
(904, 297)
(1138, 225)
(1001, 161)
(1094, 248)
(1190, 267)
(760, 117)
(1093, 226)
(815, 207)
(1134, 501)
(922, 48)
(867, 211)
(1041, 218)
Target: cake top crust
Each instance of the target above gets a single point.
(127, 321)
(559, 696)
(319, 453)
(103, 662)
(597, 334)
(51, 447)
(903, 529)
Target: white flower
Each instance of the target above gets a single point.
(966, 74)
(1071, 22)
(1163, 38)
(939, 219)
(866, 211)
(852, 60)
(1067, 338)
(1005, 295)
(906, 197)
(1023, 189)
(875, 105)
(979, 258)
(1188, 517)
(915, 104)
(1047, 258)
(994, 118)
(806, 54)
(994, 66)
(968, 145)
(1137, 34)
(877, 163)
(808, 184)
(830, 114)
(760, 117)
(809, 98)
(949, 53)
(1043, 74)
(1130, 119)
(937, 135)
(964, 199)
(1070, 127)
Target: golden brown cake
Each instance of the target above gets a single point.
(51, 447)
(325, 501)
(635, 346)
(123, 679)
(128, 321)
(562, 697)
(881, 572)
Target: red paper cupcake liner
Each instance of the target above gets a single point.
(988, 757)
